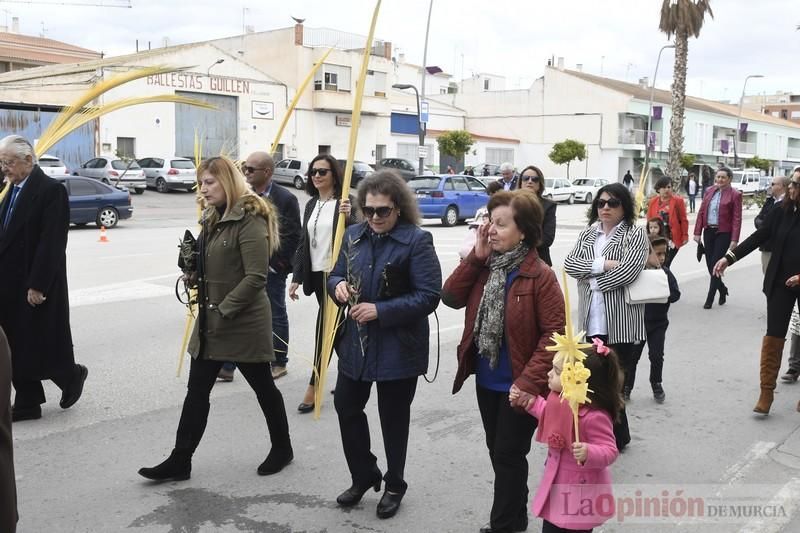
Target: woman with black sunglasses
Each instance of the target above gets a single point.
(532, 179)
(388, 274)
(313, 260)
(609, 256)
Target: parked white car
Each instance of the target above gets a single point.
(115, 172)
(559, 190)
(586, 188)
(52, 166)
(746, 181)
(291, 172)
(169, 173)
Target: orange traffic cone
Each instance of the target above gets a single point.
(103, 237)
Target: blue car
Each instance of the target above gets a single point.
(91, 200)
(449, 197)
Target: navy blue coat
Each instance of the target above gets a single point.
(396, 343)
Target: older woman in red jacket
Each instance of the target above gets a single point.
(719, 221)
(513, 306)
(671, 209)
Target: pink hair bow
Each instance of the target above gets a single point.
(600, 347)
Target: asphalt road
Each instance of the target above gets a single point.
(76, 469)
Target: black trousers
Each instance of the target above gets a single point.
(394, 411)
(320, 291)
(716, 244)
(779, 308)
(624, 351)
(508, 438)
(30, 392)
(656, 337)
(547, 527)
(194, 416)
(671, 253)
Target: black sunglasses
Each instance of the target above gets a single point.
(612, 203)
(250, 170)
(321, 171)
(533, 178)
(382, 212)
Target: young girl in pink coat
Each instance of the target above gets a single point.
(575, 492)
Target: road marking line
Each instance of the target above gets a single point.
(136, 289)
(736, 472)
(787, 498)
(124, 256)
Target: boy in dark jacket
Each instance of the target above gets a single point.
(656, 322)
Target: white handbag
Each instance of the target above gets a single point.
(651, 287)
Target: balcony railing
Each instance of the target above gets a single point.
(793, 152)
(741, 147)
(630, 136)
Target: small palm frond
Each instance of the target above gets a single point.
(84, 115)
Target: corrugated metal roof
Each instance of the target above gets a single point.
(665, 97)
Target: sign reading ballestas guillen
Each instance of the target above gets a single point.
(569, 352)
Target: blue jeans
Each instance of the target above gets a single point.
(276, 291)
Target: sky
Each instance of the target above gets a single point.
(512, 38)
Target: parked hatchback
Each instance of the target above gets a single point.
(586, 188)
(169, 173)
(94, 201)
(450, 198)
(407, 169)
(559, 190)
(51, 165)
(115, 171)
(360, 171)
(291, 172)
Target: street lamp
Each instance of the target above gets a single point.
(403, 87)
(739, 120)
(650, 110)
(214, 64)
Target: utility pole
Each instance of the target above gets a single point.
(424, 127)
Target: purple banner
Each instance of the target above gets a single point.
(657, 112)
(743, 131)
(723, 146)
(651, 140)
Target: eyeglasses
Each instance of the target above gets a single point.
(321, 171)
(382, 211)
(250, 170)
(7, 162)
(533, 178)
(612, 203)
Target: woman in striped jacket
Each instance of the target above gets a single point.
(608, 256)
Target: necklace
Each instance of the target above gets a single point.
(320, 207)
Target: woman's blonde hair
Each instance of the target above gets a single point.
(227, 173)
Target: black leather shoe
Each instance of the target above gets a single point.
(723, 296)
(489, 529)
(276, 461)
(305, 407)
(707, 305)
(18, 414)
(354, 494)
(520, 525)
(177, 467)
(389, 504)
(73, 392)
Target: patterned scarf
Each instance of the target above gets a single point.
(491, 311)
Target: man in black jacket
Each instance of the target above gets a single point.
(258, 170)
(34, 303)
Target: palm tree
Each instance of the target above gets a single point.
(683, 18)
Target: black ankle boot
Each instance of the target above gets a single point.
(354, 494)
(177, 467)
(723, 295)
(276, 461)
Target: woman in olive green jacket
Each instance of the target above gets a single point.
(240, 232)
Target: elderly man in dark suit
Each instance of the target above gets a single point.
(8, 487)
(258, 170)
(34, 304)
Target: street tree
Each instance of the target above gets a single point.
(455, 143)
(566, 152)
(681, 18)
(759, 163)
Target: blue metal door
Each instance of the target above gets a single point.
(31, 121)
(217, 128)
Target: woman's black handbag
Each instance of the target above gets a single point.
(394, 282)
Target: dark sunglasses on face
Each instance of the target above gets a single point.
(382, 212)
(612, 203)
(250, 170)
(533, 178)
(321, 171)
